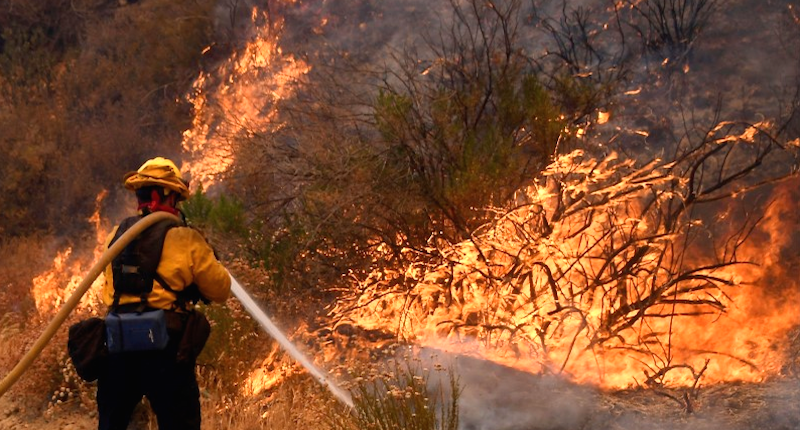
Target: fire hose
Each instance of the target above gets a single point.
(126, 238)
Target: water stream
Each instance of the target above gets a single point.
(252, 308)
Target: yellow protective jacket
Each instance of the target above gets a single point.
(186, 259)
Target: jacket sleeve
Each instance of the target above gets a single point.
(210, 275)
(188, 256)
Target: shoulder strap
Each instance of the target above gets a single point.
(135, 267)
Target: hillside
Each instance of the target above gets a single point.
(585, 208)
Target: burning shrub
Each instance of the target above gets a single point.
(599, 261)
(361, 158)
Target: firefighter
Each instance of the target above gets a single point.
(185, 272)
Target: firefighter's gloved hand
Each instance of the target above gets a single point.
(192, 293)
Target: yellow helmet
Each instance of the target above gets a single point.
(158, 171)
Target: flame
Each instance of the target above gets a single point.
(272, 372)
(448, 310)
(52, 287)
(532, 325)
(45, 291)
(239, 98)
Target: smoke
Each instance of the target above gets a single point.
(496, 397)
(360, 28)
(500, 398)
(782, 401)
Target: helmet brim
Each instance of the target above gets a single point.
(135, 180)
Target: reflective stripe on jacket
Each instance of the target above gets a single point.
(186, 258)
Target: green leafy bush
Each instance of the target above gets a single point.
(465, 146)
(223, 214)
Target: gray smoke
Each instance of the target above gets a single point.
(500, 398)
(496, 397)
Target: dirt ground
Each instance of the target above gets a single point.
(14, 416)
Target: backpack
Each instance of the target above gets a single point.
(134, 269)
(86, 346)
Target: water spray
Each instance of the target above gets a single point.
(249, 304)
(252, 308)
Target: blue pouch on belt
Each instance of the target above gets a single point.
(136, 331)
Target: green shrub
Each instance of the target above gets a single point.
(458, 148)
(223, 214)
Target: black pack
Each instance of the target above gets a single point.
(135, 267)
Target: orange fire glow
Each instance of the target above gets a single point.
(235, 101)
(52, 287)
(523, 324)
(493, 299)
(238, 99)
(268, 375)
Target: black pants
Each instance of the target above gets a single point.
(171, 389)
